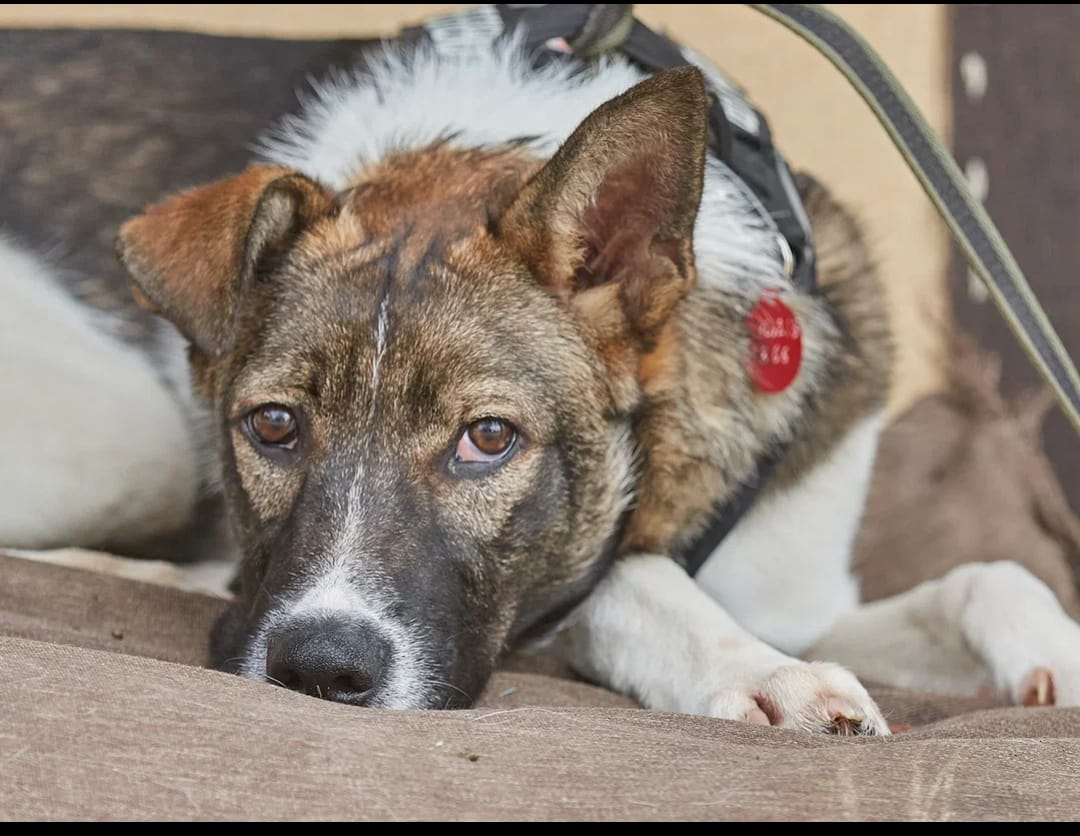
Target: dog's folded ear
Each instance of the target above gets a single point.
(608, 222)
(192, 255)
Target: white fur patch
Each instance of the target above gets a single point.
(650, 631)
(94, 448)
(382, 328)
(410, 100)
(982, 625)
(209, 577)
(784, 571)
(1014, 623)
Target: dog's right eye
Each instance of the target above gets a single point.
(486, 440)
(273, 427)
(483, 446)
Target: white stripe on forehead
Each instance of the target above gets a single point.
(382, 327)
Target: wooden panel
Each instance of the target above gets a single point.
(1018, 134)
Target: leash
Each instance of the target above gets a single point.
(971, 227)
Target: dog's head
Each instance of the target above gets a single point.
(425, 386)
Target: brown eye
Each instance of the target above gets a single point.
(273, 425)
(486, 440)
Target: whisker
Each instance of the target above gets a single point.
(274, 681)
(448, 685)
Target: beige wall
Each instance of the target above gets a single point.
(818, 120)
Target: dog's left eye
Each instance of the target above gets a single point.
(486, 441)
(273, 429)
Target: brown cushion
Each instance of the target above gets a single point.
(92, 734)
(100, 735)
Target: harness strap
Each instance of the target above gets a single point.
(726, 516)
(971, 227)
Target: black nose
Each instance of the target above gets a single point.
(331, 658)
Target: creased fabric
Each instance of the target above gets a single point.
(145, 734)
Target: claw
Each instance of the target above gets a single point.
(845, 720)
(1038, 688)
(845, 726)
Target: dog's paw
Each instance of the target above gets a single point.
(1049, 685)
(1051, 673)
(1029, 644)
(812, 696)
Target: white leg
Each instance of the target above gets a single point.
(981, 625)
(94, 449)
(650, 631)
(209, 577)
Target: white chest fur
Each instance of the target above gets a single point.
(784, 572)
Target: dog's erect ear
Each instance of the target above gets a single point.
(192, 255)
(608, 222)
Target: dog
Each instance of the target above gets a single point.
(465, 353)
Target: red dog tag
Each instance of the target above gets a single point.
(775, 344)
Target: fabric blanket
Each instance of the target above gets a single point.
(104, 714)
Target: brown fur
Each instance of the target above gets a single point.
(857, 375)
(447, 285)
(437, 195)
(196, 250)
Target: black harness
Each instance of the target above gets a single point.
(739, 138)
